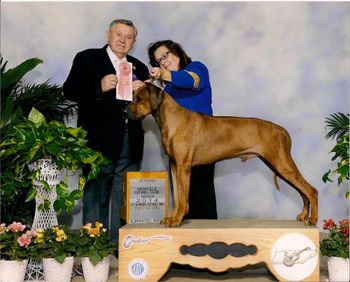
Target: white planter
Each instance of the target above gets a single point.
(12, 270)
(58, 272)
(338, 269)
(95, 273)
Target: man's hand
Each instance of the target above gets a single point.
(109, 82)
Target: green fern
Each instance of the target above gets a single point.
(338, 125)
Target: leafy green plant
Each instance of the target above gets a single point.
(15, 241)
(336, 244)
(15, 208)
(56, 242)
(17, 100)
(33, 138)
(9, 80)
(338, 125)
(94, 243)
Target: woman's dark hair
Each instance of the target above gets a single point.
(173, 47)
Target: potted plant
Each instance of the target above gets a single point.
(336, 248)
(17, 100)
(338, 125)
(33, 138)
(55, 246)
(94, 247)
(15, 242)
(336, 245)
(56, 242)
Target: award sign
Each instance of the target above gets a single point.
(145, 197)
(124, 86)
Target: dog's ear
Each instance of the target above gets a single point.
(156, 95)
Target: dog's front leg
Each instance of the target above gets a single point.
(183, 188)
(181, 184)
(167, 220)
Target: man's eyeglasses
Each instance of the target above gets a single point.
(163, 57)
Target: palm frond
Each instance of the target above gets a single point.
(338, 125)
(2, 65)
(47, 98)
(10, 77)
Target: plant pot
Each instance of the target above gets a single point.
(58, 272)
(12, 270)
(338, 269)
(95, 273)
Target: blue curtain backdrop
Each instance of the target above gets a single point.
(287, 62)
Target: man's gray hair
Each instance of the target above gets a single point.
(123, 21)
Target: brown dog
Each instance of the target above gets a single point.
(191, 139)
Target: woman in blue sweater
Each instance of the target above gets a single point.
(188, 83)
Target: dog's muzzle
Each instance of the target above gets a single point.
(129, 114)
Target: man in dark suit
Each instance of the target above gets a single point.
(92, 83)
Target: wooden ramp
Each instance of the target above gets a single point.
(289, 249)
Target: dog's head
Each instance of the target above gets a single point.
(145, 100)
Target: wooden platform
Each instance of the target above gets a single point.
(287, 248)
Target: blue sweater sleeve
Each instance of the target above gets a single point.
(194, 76)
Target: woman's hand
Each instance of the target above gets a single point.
(155, 73)
(160, 74)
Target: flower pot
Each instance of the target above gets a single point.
(338, 269)
(95, 273)
(58, 272)
(12, 270)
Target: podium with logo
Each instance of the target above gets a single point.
(289, 250)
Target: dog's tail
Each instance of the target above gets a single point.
(276, 183)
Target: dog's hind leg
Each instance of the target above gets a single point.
(305, 213)
(289, 172)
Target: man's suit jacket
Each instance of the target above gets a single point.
(100, 114)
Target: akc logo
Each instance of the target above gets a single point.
(138, 269)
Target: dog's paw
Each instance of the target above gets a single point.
(302, 217)
(174, 223)
(310, 221)
(171, 222)
(165, 221)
